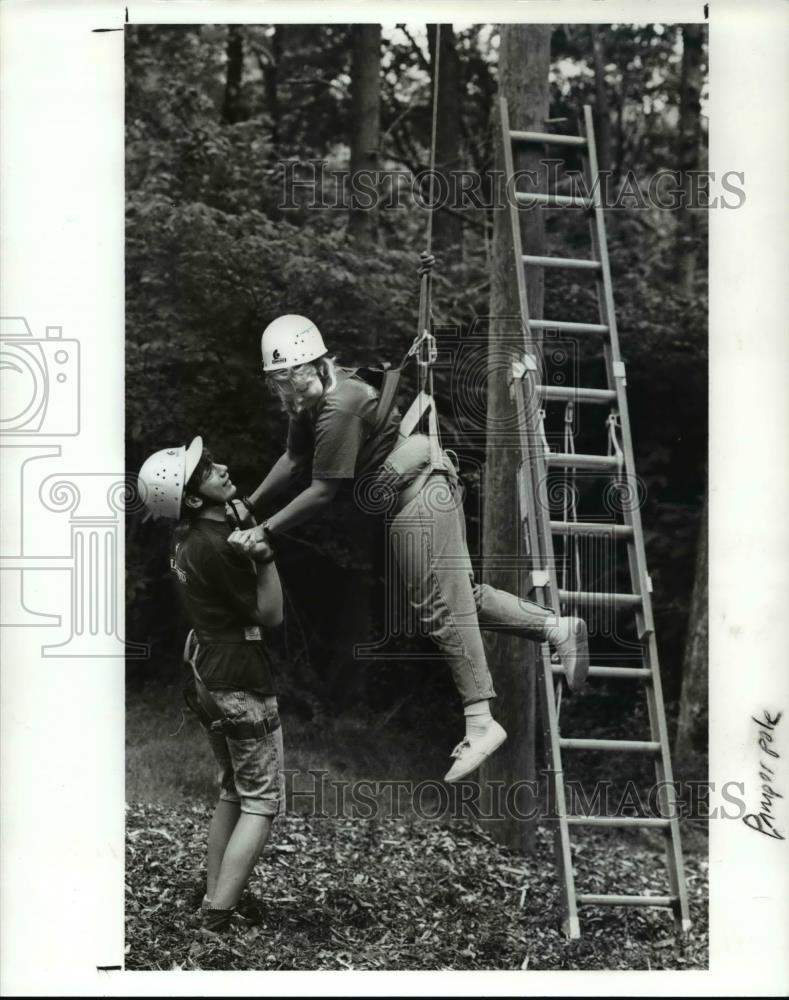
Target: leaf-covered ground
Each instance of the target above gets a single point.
(395, 894)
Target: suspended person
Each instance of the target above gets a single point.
(231, 593)
(334, 436)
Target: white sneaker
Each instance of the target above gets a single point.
(571, 642)
(470, 752)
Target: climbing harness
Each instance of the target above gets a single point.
(204, 706)
(424, 347)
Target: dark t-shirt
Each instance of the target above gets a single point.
(340, 434)
(219, 590)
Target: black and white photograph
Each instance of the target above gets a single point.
(416, 385)
(393, 499)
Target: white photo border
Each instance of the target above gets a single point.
(62, 732)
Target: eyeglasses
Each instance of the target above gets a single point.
(292, 376)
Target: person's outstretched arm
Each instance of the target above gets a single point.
(310, 503)
(282, 473)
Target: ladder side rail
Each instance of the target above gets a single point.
(533, 469)
(513, 213)
(636, 551)
(561, 837)
(664, 774)
(549, 596)
(616, 381)
(523, 299)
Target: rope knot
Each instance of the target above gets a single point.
(426, 263)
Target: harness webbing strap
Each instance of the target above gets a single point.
(217, 720)
(388, 395)
(414, 414)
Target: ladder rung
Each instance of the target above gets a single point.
(577, 394)
(631, 673)
(567, 327)
(552, 200)
(589, 899)
(574, 263)
(600, 597)
(631, 746)
(575, 461)
(550, 138)
(591, 528)
(649, 821)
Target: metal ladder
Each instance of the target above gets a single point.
(540, 530)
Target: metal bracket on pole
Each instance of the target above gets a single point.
(619, 371)
(540, 578)
(517, 372)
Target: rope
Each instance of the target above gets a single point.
(424, 344)
(545, 446)
(570, 511)
(614, 448)
(433, 137)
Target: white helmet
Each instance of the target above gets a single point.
(164, 475)
(290, 340)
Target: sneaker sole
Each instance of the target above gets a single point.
(479, 763)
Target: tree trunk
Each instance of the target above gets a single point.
(692, 737)
(447, 226)
(524, 59)
(691, 82)
(231, 106)
(270, 81)
(619, 169)
(602, 112)
(365, 129)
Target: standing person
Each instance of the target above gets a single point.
(230, 595)
(336, 437)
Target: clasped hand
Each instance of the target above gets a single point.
(251, 542)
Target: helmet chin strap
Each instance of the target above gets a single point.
(231, 515)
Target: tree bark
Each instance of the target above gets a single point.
(270, 72)
(231, 106)
(365, 129)
(447, 226)
(619, 169)
(692, 735)
(524, 60)
(691, 82)
(602, 111)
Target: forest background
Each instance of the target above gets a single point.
(213, 116)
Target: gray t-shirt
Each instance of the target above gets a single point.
(340, 433)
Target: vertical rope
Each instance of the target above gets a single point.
(437, 51)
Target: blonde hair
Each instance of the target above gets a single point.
(324, 367)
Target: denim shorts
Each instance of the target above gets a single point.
(250, 770)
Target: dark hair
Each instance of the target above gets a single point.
(188, 514)
(201, 472)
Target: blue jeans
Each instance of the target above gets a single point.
(428, 538)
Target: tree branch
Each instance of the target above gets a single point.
(424, 62)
